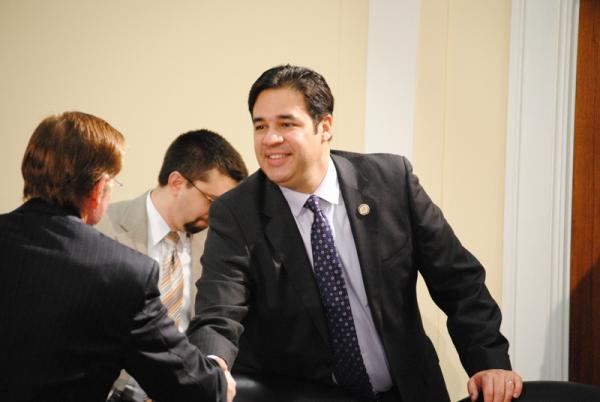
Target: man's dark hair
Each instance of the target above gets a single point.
(312, 85)
(194, 153)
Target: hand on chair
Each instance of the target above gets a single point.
(496, 385)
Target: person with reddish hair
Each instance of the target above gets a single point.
(77, 306)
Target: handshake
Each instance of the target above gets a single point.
(126, 389)
(230, 381)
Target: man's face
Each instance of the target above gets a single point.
(193, 203)
(288, 147)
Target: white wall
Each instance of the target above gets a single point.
(538, 186)
(391, 76)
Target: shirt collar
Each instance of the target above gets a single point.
(328, 190)
(157, 226)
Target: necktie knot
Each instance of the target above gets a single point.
(313, 204)
(172, 238)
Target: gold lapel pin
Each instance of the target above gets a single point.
(364, 209)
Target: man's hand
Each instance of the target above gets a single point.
(228, 377)
(496, 385)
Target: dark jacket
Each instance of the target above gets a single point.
(77, 307)
(258, 300)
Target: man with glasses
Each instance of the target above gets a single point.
(78, 306)
(164, 222)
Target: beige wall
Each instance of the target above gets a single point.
(157, 69)
(460, 130)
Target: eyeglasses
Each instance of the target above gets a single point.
(117, 184)
(112, 182)
(210, 198)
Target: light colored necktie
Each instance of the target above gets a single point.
(171, 281)
(171, 295)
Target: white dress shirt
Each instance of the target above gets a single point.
(334, 209)
(158, 249)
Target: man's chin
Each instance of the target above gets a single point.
(193, 228)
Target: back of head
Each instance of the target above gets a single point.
(194, 153)
(317, 94)
(66, 156)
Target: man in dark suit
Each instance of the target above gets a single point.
(315, 276)
(78, 306)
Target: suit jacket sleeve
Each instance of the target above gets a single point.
(224, 289)
(162, 360)
(455, 280)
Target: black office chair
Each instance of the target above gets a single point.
(554, 391)
(257, 388)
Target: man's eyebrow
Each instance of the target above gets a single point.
(279, 116)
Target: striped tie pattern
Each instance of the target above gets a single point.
(171, 281)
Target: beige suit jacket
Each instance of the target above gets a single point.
(127, 222)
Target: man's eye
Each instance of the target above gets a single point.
(259, 127)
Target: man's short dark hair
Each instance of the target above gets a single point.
(317, 95)
(194, 153)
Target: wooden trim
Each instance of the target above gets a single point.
(584, 347)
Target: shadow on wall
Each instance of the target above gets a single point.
(548, 369)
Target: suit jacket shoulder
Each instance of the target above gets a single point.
(80, 306)
(127, 222)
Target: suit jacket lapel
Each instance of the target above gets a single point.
(134, 222)
(355, 191)
(197, 250)
(283, 234)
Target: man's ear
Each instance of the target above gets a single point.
(97, 193)
(93, 200)
(176, 182)
(326, 127)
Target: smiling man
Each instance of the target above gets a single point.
(315, 278)
(198, 167)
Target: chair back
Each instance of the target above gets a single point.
(257, 388)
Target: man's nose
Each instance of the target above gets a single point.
(272, 138)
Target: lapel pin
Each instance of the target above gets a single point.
(364, 209)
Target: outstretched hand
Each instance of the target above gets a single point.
(230, 381)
